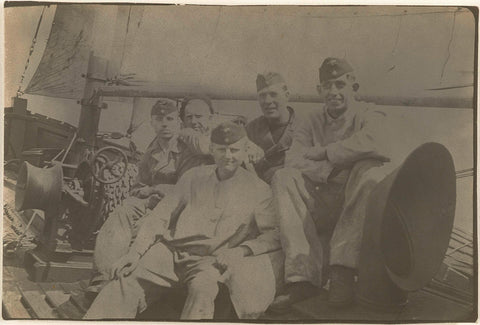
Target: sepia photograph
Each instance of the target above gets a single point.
(267, 163)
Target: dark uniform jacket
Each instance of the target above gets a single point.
(259, 132)
(166, 166)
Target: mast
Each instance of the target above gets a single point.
(91, 105)
(100, 70)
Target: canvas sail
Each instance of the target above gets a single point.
(66, 55)
(221, 49)
(77, 31)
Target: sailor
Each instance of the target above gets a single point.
(169, 156)
(273, 130)
(217, 226)
(321, 195)
(196, 113)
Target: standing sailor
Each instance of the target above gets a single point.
(217, 226)
(322, 193)
(272, 131)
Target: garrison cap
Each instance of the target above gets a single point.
(164, 107)
(267, 79)
(333, 68)
(227, 133)
(240, 120)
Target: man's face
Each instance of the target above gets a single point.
(229, 157)
(197, 115)
(272, 100)
(166, 126)
(338, 92)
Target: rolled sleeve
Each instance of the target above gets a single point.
(303, 140)
(317, 171)
(363, 144)
(197, 142)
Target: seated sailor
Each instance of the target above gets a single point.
(218, 225)
(273, 130)
(321, 194)
(169, 156)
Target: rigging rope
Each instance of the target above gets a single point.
(125, 40)
(449, 43)
(34, 41)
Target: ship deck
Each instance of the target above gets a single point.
(24, 298)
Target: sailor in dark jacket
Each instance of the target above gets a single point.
(272, 131)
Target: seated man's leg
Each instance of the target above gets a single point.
(202, 284)
(252, 283)
(300, 241)
(119, 299)
(127, 296)
(347, 236)
(114, 238)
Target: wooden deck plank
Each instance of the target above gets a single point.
(50, 286)
(84, 283)
(69, 287)
(6, 273)
(19, 273)
(12, 306)
(35, 300)
(57, 296)
(70, 311)
(422, 306)
(78, 298)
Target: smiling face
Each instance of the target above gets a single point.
(338, 93)
(197, 115)
(273, 100)
(166, 126)
(228, 157)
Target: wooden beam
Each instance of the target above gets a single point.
(180, 92)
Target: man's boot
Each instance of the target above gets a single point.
(342, 280)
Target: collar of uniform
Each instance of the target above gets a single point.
(349, 114)
(172, 147)
(214, 178)
(291, 116)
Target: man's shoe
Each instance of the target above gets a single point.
(293, 293)
(342, 281)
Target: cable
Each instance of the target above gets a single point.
(449, 43)
(125, 40)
